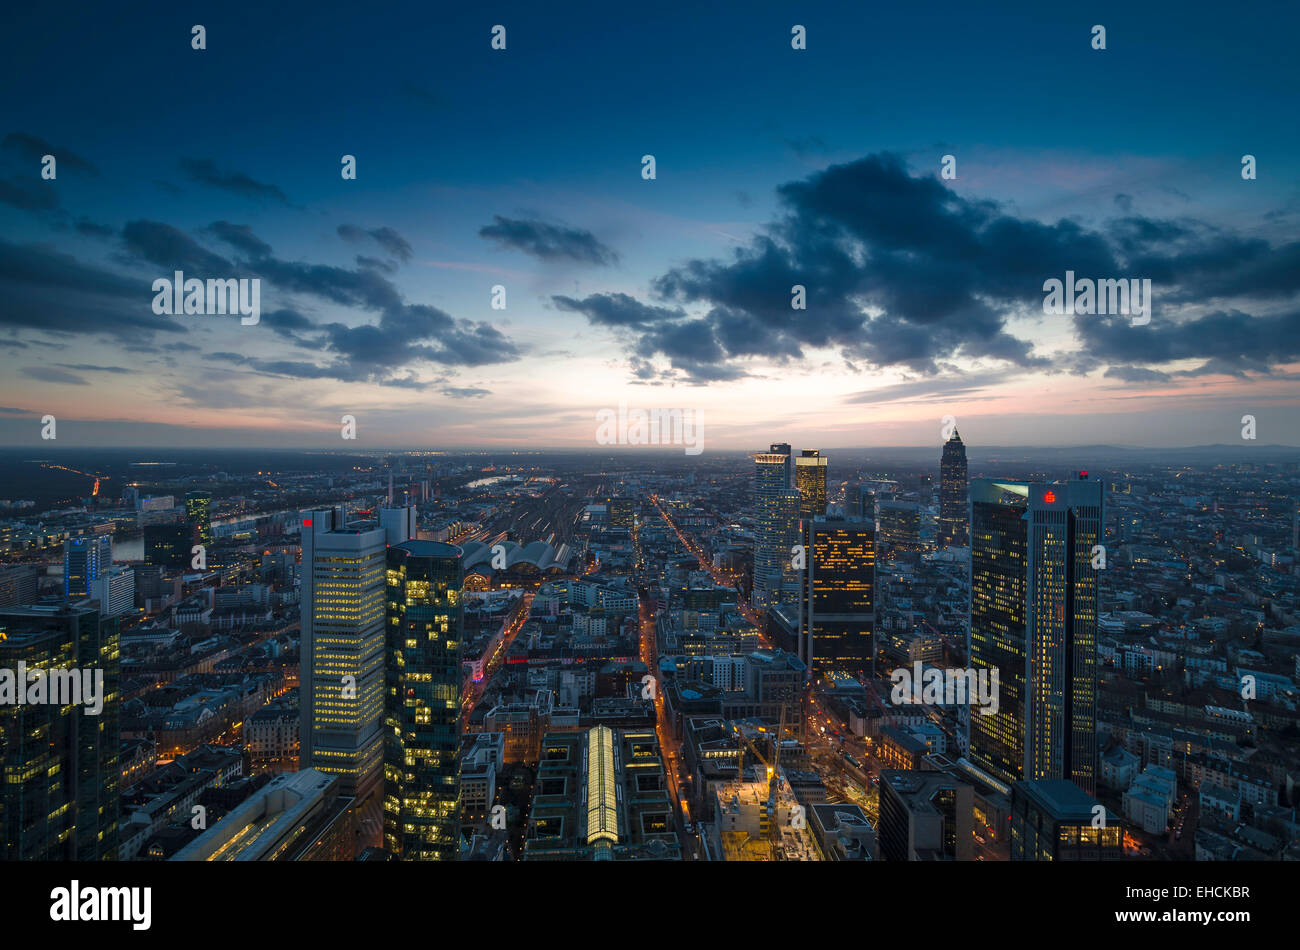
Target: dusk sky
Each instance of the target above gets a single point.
(522, 167)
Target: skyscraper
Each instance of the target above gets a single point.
(810, 479)
(422, 701)
(776, 505)
(198, 514)
(169, 545)
(59, 764)
(996, 633)
(1033, 617)
(783, 448)
(953, 487)
(839, 598)
(1065, 527)
(342, 652)
(84, 559)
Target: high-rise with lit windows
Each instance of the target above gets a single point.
(60, 764)
(1065, 537)
(1033, 617)
(996, 632)
(422, 701)
(198, 514)
(839, 599)
(342, 653)
(953, 486)
(775, 526)
(85, 558)
(810, 479)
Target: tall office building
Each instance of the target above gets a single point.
(422, 701)
(839, 598)
(783, 448)
(953, 487)
(59, 764)
(995, 637)
(776, 526)
(198, 513)
(1065, 525)
(19, 585)
(342, 653)
(169, 545)
(115, 591)
(84, 560)
(810, 479)
(1033, 617)
(620, 512)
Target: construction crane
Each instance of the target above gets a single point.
(774, 830)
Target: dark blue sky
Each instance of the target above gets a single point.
(1136, 148)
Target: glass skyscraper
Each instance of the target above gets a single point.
(810, 479)
(84, 560)
(953, 487)
(776, 507)
(841, 593)
(342, 675)
(198, 513)
(422, 701)
(1033, 617)
(59, 764)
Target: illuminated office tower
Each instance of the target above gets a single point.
(1033, 617)
(169, 545)
(620, 512)
(198, 514)
(775, 528)
(839, 601)
(1065, 528)
(995, 638)
(84, 560)
(953, 486)
(422, 701)
(342, 652)
(60, 764)
(810, 479)
(783, 448)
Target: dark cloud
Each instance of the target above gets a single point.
(205, 172)
(28, 193)
(240, 237)
(464, 392)
(618, 310)
(92, 368)
(43, 289)
(51, 374)
(374, 263)
(392, 242)
(170, 248)
(900, 271)
(90, 228)
(1136, 374)
(548, 241)
(32, 149)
